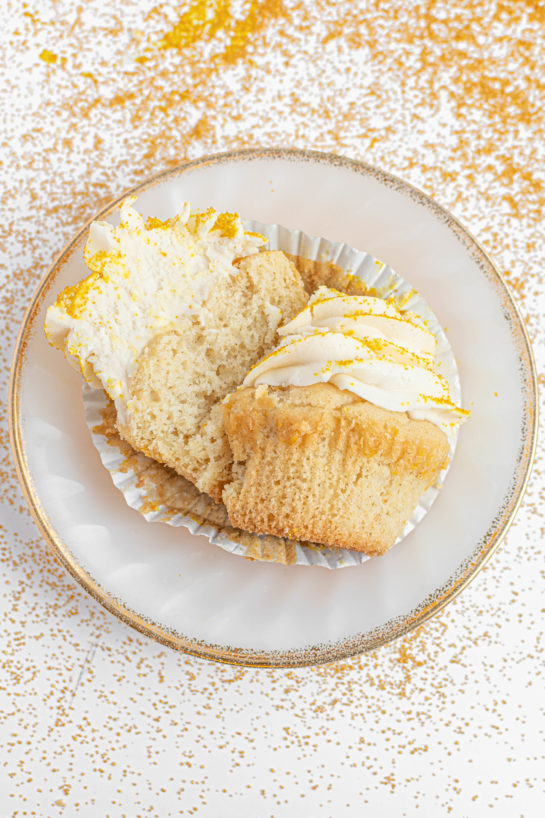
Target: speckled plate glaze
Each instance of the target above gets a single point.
(178, 587)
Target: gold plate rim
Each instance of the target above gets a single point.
(358, 643)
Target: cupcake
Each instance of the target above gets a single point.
(338, 431)
(170, 319)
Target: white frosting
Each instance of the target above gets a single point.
(364, 345)
(145, 277)
(274, 314)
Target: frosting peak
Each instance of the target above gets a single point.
(367, 346)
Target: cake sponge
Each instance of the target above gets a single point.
(183, 375)
(321, 464)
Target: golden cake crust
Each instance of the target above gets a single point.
(321, 464)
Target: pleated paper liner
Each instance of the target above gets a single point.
(161, 495)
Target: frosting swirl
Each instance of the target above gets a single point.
(367, 346)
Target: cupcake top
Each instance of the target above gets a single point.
(145, 275)
(367, 346)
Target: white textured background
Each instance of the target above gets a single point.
(96, 720)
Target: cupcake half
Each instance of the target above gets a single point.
(170, 319)
(339, 430)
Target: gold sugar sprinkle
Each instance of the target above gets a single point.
(446, 95)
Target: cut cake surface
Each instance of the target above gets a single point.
(183, 375)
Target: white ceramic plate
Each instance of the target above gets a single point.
(186, 592)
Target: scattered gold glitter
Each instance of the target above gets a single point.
(205, 20)
(48, 56)
(448, 720)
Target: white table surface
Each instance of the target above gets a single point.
(97, 720)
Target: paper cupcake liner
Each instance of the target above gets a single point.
(161, 495)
